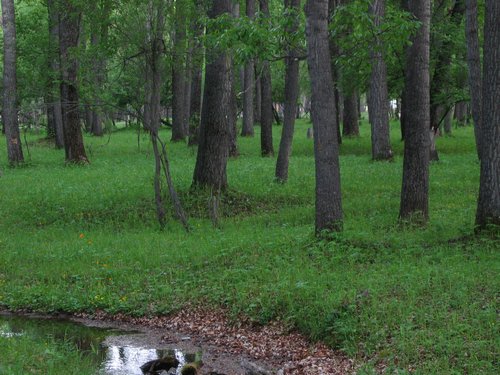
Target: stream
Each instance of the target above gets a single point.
(115, 351)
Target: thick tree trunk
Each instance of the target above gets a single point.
(488, 205)
(415, 187)
(291, 96)
(213, 150)
(351, 116)
(266, 108)
(249, 86)
(54, 110)
(378, 101)
(474, 65)
(179, 127)
(9, 112)
(328, 195)
(69, 33)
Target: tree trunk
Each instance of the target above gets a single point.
(474, 65)
(351, 116)
(179, 128)
(249, 86)
(335, 52)
(233, 131)
(9, 113)
(291, 96)
(442, 74)
(488, 204)
(415, 187)
(154, 52)
(54, 111)
(257, 100)
(266, 108)
(378, 101)
(69, 33)
(196, 77)
(98, 78)
(448, 121)
(328, 195)
(211, 160)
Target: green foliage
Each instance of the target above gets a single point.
(353, 30)
(86, 238)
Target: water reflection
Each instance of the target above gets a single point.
(127, 360)
(109, 359)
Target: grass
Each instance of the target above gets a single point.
(27, 355)
(85, 238)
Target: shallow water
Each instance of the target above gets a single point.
(111, 357)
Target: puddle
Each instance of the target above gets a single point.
(115, 352)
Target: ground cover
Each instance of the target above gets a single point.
(79, 239)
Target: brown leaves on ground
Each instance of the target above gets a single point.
(291, 353)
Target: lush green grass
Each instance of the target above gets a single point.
(85, 238)
(27, 355)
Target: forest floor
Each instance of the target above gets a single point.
(81, 239)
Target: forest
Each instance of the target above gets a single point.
(291, 187)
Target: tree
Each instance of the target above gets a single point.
(351, 115)
(54, 109)
(291, 95)
(474, 64)
(443, 51)
(213, 149)
(415, 188)
(266, 108)
(378, 101)
(179, 127)
(328, 195)
(249, 85)
(9, 112)
(196, 76)
(69, 33)
(488, 205)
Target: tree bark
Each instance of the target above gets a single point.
(488, 205)
(249, 86)
(54, 110)
(291, 96)
(9, 112)
(69, 33)
(328, 195)
(266, 108)
(378, 101)
(211, 160)
(351, 116)
(474, 65)
(415, 187)
(179, 128)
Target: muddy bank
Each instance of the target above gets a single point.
(229, 349)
